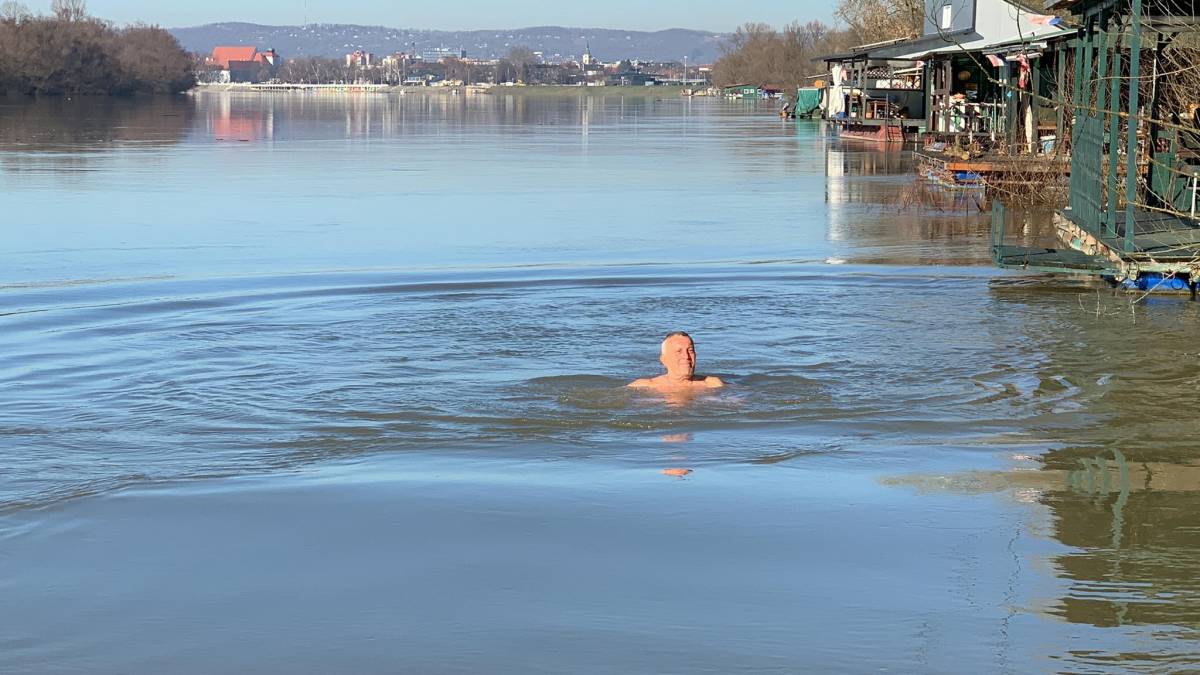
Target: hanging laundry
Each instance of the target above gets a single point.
(1045, 20)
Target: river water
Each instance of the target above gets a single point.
(332, 383)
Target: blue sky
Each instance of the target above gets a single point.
(464, 14)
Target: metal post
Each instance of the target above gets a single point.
(1155, 197)
(1034, 107)
(1135, 72)
(1060, 64)
(1010, 112)
(1077, 101)
(1114, 135)
(1195, 187)
(930, 84)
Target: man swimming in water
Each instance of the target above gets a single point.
(678, 356)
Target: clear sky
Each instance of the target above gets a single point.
(464, 14)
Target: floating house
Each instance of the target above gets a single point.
(874, 97)
(971, 50)
(742, 91)
(947, 80)
(1135, 164)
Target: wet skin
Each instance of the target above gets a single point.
(678, 356)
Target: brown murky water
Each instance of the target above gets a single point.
(306, 383)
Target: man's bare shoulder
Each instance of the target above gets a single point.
(642, 383)
(713, 382)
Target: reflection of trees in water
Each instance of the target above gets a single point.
(70, 132)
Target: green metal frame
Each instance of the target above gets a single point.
(1029, 259)
(1100, 203)
(1107, 198)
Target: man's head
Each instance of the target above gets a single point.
(678, 355)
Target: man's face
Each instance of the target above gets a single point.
(679, 356)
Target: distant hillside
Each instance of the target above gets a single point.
(554, 41)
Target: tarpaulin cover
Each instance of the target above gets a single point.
(808, 99)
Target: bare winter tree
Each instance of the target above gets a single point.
(13, 11)
(878, 20)
(312, 70)
(48, 55)
(758, 54)
(69, 10)
(521, 57)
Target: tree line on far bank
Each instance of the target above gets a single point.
(70, 53)
(759, 54)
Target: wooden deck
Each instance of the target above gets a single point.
(887, 130)
(997, 164)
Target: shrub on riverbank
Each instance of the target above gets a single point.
(42, 55)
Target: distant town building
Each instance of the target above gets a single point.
(360, 59)
(437, 54)
(394, 60)
(242, 63)
(222, 56)
(632, 78)
(742, 91)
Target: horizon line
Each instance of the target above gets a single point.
(449, 30)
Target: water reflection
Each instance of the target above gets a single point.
(1120, 473)
(64, 133)
(1108, 385)
(239, 118)
(884, 214)
(257, 117)
(1137, 537)
(1135, 559)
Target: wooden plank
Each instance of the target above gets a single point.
(1005, 167)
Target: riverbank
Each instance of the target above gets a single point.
(529, 91)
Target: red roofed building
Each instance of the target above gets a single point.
(240, 63)
(221, 56)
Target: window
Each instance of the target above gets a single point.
(947, 14)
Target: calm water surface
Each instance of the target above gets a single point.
(333, 383)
